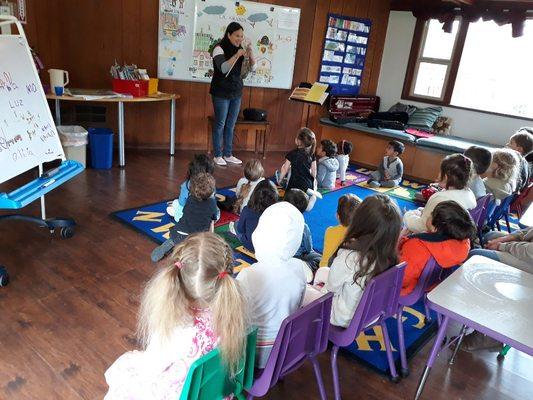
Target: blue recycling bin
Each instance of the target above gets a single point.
(101, 148)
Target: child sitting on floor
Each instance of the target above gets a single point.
(199, 214)
(447, 240)
(502, 173)
(522, 142)
(344, 148)
(328, 165)
(455, 172)
(390, 171)
(369, 248)
(305, 253)
(481, 158)
(187, 309)
(199, 163)
(275, 284)
(335, 234)
(253, 174)
(264, 195)
(301, 164)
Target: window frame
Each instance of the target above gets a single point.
(449, 82)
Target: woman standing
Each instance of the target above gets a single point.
(231, 64)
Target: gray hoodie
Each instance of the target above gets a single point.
(327, 172)
(518, 254)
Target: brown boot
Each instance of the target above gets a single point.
(478, 341)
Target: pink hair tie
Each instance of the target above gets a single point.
(222, 274)
(178, 265)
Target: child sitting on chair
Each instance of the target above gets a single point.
(344, 148)
(390, 171)
(199, 214)
(447, 240)
(481, 158)
(522, 142)
(275, 284)
(369, 248)
(502, 174)
(188, 308)
(199, 163)
(335, 234)
(328, 165)
(455, 172)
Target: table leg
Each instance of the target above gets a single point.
(433, 355)
(209, 133)
(458, 344)
(172, 126)
(58, 112)
(122, 154)
(265, 138)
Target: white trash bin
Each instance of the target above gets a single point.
(74, 140)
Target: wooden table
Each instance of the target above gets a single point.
(121, 100)
(493, 298)
(262, 130)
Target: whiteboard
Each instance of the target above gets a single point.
(28, 135)
(188, 29)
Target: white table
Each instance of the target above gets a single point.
(493, 298)
(120, 101)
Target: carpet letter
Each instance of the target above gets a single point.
(363, 340)
(148, 216)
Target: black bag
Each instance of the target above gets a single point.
(400, 116)
(254, 114)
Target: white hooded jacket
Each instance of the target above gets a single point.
(274, 286)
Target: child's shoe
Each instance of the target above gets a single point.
(161, 251)
(231, 227)
(171, 211)
(316, 193)
(374, 184)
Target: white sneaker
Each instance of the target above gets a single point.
(308, 272)
(315, 193)
(220, 161)
(231, 227)
(170, 211)
(233, 160)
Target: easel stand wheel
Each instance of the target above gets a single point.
(66, 225)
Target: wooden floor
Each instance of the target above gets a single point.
(70, 309)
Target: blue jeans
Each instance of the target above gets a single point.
(226, 113)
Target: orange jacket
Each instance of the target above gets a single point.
(417, 249)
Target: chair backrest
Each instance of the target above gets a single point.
(501, 210)
(429, 277)
(302, 334)
(208, 379)
(378, 302)
(479, 214)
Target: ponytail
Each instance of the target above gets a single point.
(245, 191)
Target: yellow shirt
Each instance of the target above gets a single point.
(332, 239)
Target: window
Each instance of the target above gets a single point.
(477, 66)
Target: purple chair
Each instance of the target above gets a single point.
(480, 214)
(379, 302)
(501, 211)
(302, 335)
(430, 276)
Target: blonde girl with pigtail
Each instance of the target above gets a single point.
(187, 309)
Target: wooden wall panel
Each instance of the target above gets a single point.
(94, 33)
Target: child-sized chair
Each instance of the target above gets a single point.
(501, 211)
(208, 379)
(480, 214)
(430, 276)
(379, 302)
(302, 335)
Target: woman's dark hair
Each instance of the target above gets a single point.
(457, 169)
(452, 220)
(308, 140)
(373, 234)
(200, 163)
(344, 147)
(264, 195)
(232, 27)
(297, 198)
(329, 147)
(481, 158)
(346, 207)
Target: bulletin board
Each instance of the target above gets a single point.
(343, 59)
